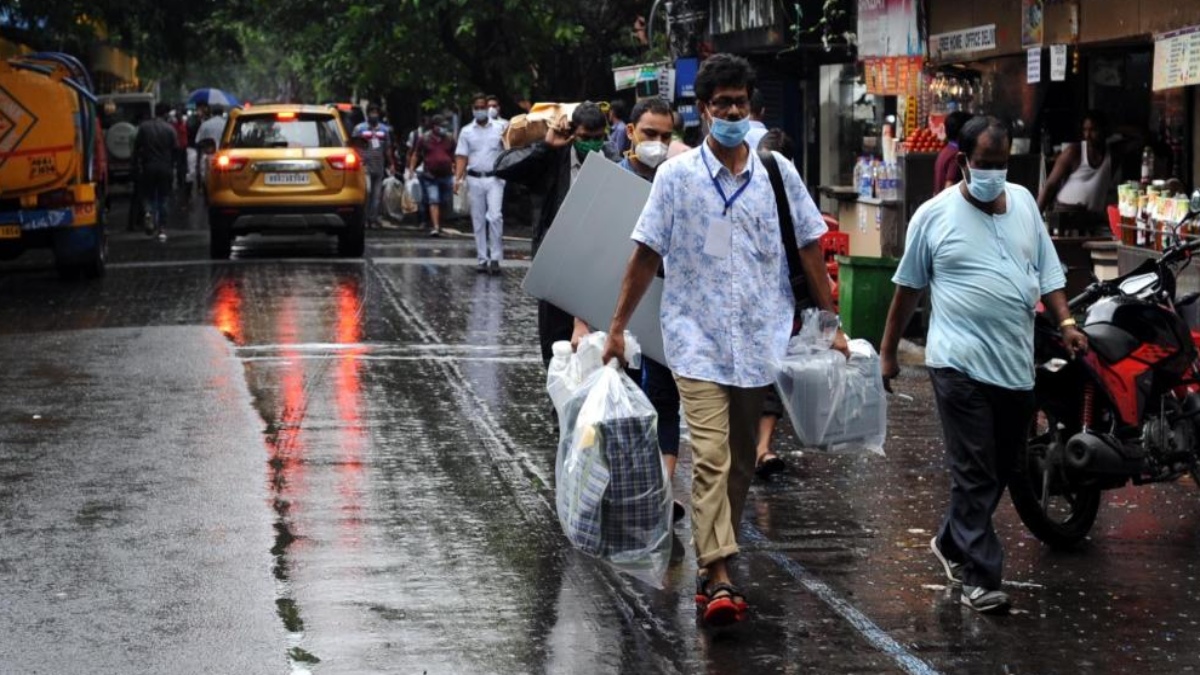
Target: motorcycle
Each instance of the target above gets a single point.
(1127, 411)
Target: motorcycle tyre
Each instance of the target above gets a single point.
(1024, 489)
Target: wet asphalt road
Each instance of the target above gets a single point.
(357, 478)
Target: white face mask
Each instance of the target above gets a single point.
(493, 112)
(651, 153)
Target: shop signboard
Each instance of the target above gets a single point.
(893, 75)
(888, 28)
(1177, 58)
(637, 75)
(685, 77)
(961, 42)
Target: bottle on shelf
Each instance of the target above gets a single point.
(1147, 166)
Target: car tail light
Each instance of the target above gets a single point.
(227, 163)
(286, 116)
(347, 162)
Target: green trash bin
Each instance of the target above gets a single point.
(864, 294)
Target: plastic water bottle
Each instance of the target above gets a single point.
(562, 376)
(858, 173)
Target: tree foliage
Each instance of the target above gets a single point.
(324, 49)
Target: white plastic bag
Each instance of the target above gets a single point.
(393, 198)
(834, 403)
(413, 185)
(613, 495)
(568, 369)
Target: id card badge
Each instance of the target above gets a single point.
(719, 240)
(375, 144)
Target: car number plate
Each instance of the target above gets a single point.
(296, 178)
(10, 231)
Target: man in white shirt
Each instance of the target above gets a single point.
(479, 144)
(493, 102)
(213, 128)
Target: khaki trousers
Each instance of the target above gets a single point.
(723, 422)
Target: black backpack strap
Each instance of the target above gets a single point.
(787, 230)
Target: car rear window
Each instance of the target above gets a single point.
(270, 131)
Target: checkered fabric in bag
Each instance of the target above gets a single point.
(633, 508)
(584, 489)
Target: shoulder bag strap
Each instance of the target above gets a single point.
(787, 229)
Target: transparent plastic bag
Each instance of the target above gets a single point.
(569, 369)
(834, 403)
(613, 495)
(393, 198)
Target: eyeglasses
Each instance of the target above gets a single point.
(724, 103)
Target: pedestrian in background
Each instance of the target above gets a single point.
(618, 117)
(984, 253)
(945, 168)
(493, 103)
(712, 217)
(549, 167)
(181, 144)
(766, 462)
(154, 164)
(758, 128)
(375, 139)
(435, 152)
(649, 129)
(479, 145)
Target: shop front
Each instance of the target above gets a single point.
(1044, 65)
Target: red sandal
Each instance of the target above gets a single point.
(721, 604)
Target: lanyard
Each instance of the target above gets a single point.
(721, 191)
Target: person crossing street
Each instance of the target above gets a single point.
(726, 310)
(479, 144)
(379, 160)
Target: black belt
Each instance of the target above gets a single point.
(479, 174)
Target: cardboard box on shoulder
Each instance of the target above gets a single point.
(531, 127)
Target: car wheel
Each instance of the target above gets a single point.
(352, 241)
(97, 263)
(220, 238)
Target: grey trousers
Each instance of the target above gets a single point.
(984, 426)
(374, 195)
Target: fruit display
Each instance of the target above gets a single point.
(924, 140)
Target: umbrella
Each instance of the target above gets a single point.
(213, 97)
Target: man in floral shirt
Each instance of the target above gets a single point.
(727, 306)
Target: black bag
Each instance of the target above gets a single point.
(787, 229)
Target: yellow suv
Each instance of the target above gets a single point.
(283, 169)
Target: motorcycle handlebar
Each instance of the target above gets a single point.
(1181, 251)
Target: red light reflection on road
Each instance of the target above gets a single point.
(227, 310)
(288, 451)
(348, 397)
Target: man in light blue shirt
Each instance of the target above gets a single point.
(983, 251)
(727, 307)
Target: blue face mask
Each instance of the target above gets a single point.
(729, 134)
(481, 116)
(986, 185)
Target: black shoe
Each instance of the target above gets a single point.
(494, 267)
(677, 512)
(481, 268)
(769, 466)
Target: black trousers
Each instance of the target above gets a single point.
(659, 384)
(553, 325)
(984, 426)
